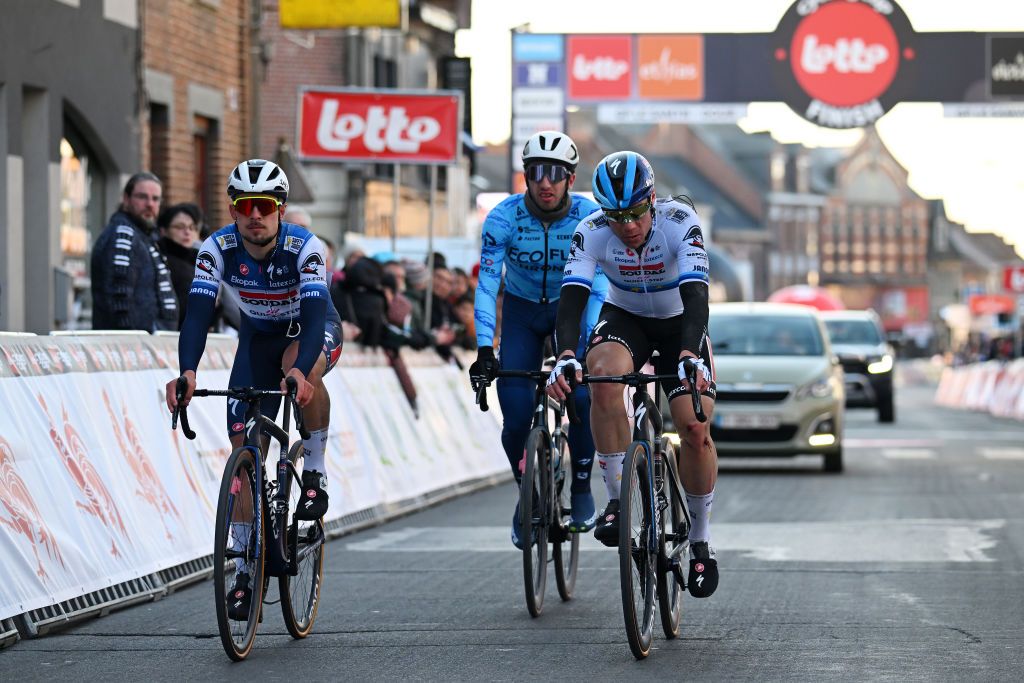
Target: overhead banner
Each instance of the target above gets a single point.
(340, 13)
(358, 124)
(837, 63)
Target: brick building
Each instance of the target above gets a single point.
(196, 76)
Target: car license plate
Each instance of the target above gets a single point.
(749, 421)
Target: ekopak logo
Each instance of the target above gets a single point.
(844, 56)
(600, 67)
(378, 125)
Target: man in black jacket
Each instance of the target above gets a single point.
(131, 285)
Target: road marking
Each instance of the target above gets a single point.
(863, 541)
(935, 436)
(909, 453)
(1002, 453)
(891, 443)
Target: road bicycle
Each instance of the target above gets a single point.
(262, 540)
(544, 496)
(654, 521)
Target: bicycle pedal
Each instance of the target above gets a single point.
(677, 571)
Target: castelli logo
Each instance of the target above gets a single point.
(844, 54)
(243, 269)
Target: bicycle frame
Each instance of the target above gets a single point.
(281, 550)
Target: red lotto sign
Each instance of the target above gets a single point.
(379, 125)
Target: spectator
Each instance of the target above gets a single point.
(460, 287)
(179, 230)
(361, 301)
(299, 216)
(131, 284)
(440, 336)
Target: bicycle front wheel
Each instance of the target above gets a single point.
(674, 545)
(300, 593)
(637, 551)
(534, 501)
(238, 554)
(566, 546)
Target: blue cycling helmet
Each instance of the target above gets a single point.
(622, 180)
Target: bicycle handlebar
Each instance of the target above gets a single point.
(246, 394)
(635, 379)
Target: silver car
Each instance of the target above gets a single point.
(780, 387)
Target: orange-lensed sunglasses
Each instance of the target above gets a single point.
(265, 205)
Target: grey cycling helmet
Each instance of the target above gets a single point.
(258, 176)
(551, 146)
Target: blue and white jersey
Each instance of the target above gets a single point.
(644, 281)
(285, 293)
(533, 258)
(268, 292)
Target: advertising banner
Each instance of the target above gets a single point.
(354, 124)
(96, 490)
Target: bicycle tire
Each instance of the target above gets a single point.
(676, 523)
(566, 550)
(637, 559)
(300, 594)
(534, 497)
(238, 637)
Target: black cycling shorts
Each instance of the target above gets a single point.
(642, 337)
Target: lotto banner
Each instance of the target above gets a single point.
(95, 489)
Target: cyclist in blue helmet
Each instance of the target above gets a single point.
(652, 252)
(527, 240)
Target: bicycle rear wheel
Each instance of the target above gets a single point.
(674, 545)
(239, 548)
(566, 549)
(534, 513)
(300, 594)
(637, 551)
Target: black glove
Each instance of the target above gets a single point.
(484, 369)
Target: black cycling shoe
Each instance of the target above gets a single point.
(313, 501)
(703, 578)
(239, 598)
(607, 529)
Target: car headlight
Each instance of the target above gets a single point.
(819, 388)
(883, 364)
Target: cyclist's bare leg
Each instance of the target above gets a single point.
(698, 458)
(608, 418)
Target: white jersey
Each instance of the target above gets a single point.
(644, 282)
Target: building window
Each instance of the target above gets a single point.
(204, 140)
(159, 141)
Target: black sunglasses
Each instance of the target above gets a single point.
(552, 172)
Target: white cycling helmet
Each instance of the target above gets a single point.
(258, 176)
(553, 146)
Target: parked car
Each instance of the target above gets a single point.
(868, 359)
(780, 388)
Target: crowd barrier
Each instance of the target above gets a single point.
(995, 387)
(101, 504)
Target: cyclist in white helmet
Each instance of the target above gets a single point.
(529, 237)
(277, 274)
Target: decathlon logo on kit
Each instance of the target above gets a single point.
(843, 56)
(353, 125)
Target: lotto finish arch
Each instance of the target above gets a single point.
(837, 63)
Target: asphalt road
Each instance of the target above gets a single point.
(905, 567)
